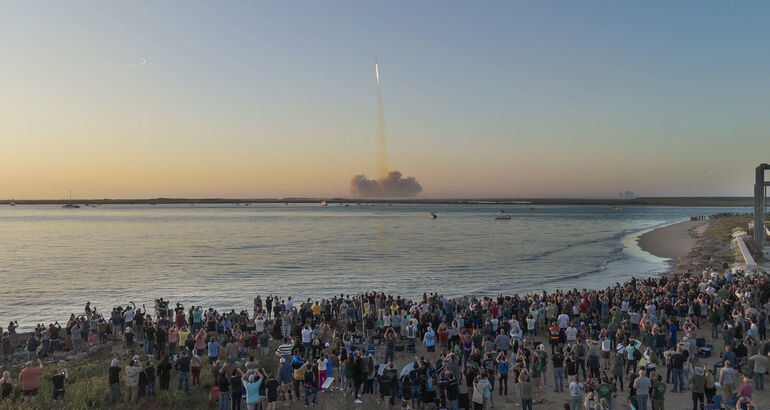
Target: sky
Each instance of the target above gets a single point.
(259, 99)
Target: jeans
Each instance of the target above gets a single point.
(172, 349)
(714, 331)
(503, 383)
(114, 393)
(558, 378)
(224, 401)
(697, 397)
(526, 404)
(151, 387)
(184, 377)
(641, 401)
(311, 388)
(759, 381)
(416, 396)
(235, 400)
(576, 403)
(149, 346)
(678, 376)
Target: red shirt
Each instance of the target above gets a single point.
(443, 337)
(28, 378)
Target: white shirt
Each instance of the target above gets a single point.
(571, 333)
(563, 320)
(306, 334)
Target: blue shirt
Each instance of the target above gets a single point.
(252, 391)
(630, 350)
(430, 338)
(213, 349)
(502, 367)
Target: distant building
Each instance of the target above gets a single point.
(627, 195)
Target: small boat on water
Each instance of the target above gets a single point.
(70, 205)
(12, 203)
(617, 208)
(433, 215)
(323, 203)
(503, 217)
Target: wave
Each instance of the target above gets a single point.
(549, 252)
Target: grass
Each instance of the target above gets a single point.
(723, 228)
(87, 387)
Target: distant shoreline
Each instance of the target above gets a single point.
(646, 201)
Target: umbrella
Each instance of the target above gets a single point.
(408, 368)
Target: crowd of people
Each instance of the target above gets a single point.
(630, 345)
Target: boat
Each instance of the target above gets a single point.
(617, 208)
(70, 205)
(503, 217)
(12, 203)
(502, 211)
(433, 215)
(323, 203)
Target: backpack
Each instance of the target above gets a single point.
(637, 354)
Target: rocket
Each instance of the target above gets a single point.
(376, 70)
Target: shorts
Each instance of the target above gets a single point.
(272, 397)
(58, 393)
(31, 393)
(605, 355)
(432, 348)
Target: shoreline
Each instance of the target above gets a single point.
(726, 202)
(673, 241)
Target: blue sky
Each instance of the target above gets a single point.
(247, 98)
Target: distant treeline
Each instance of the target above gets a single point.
(656, 201)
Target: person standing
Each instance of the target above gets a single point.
(164, 373)
(760, 367)
(576, 394)
(526, 390)
(658, 394)
(224, 388)
(236, 388)
(29, 379)
(251, 382)
(503, 366)
(558, 371)
(727, 379)
(642, 385)
(698, 386)
(132, 380)
(114, 380)
(149, 371)
(57, 379)
(183, 367)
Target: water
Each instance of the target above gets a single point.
(53, 260)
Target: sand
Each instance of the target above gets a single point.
(672, 241)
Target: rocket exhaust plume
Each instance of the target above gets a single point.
(389, 184)
(382, 158)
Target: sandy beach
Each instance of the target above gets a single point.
(672, 241)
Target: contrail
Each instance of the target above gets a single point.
(382, 155)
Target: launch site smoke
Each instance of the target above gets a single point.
(389, 184)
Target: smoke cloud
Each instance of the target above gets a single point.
(391, 186)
